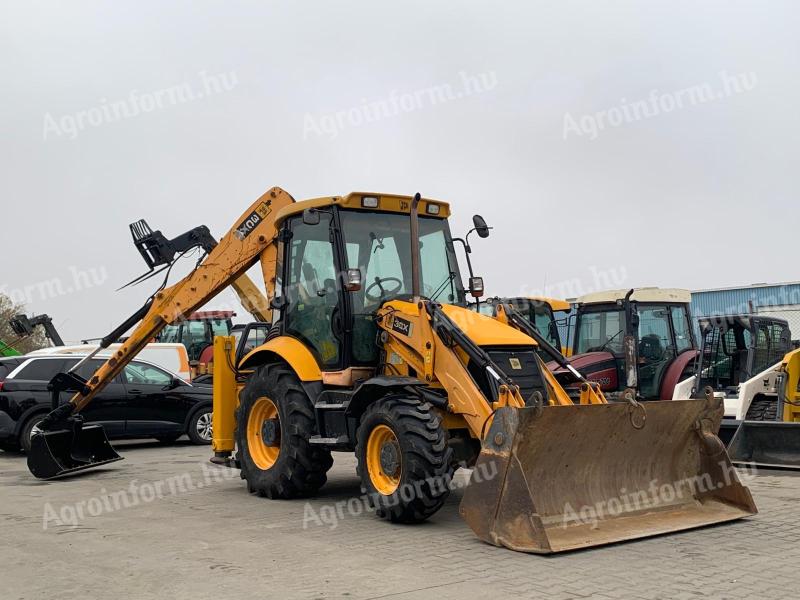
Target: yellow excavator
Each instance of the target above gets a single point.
(374, 351)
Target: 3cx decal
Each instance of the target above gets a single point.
(401, 326)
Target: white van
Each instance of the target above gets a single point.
(172, 357)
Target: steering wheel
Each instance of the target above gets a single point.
(383, 292)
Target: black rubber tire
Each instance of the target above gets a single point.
(191, 430)
(300, 469)
(168, 439)
(427, 460)
(762, 408)
(25, 432)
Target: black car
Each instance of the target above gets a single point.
(142, 401)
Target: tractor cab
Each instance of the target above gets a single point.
(736, 348)
(640, 339)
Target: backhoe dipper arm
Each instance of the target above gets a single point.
(250, 240)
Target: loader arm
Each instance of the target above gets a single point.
(250, 240)
(590, 391)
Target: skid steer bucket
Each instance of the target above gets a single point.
(768, 444)
(566, 477)
(62, 451)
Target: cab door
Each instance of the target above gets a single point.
(313, 309)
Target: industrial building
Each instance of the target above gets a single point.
(780, 300)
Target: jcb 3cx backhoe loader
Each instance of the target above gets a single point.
(373, 351)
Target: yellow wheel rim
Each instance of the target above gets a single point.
(264, 414)
(384, 463)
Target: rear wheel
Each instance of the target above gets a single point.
(274, 424)
(199, 430)
(762, 408)
(404, 462)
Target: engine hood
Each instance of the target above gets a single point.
(599, 367)
(486, 331)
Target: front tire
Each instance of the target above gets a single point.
(404, 462)
(274, 425)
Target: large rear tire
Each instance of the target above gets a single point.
(404, 462)
(275, 422)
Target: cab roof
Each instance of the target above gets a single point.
(646, 294)
(393, 203)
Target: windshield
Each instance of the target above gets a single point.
(380, 246)
(601, 330)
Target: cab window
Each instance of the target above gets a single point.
(601, 331)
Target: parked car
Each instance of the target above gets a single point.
(144, 400)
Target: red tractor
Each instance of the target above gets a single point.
(640, 339)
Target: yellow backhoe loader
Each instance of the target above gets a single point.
(374, 351)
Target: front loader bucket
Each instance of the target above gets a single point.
(63, 451)
(568, 477)
(769, 444)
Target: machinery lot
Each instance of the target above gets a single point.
(191, 531)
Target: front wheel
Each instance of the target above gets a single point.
(404, 462)
(274, 426)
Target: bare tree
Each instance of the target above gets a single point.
(7, 336)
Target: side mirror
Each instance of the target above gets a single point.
(175, 383)
(480, 226)
(352, 280)
(311, 216)
(476, 286)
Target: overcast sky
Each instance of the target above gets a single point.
(622, 143)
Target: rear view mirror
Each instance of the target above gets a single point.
(311, 216)
(480, 226)
(352, 280)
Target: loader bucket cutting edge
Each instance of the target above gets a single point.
(767, 444)
(63, 451)
(579, 476)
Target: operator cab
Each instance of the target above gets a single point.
(736, 348)
(656, 321)
(340, 262)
